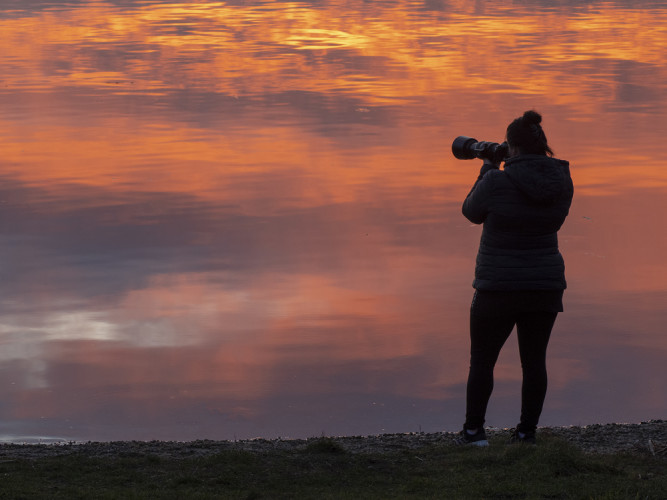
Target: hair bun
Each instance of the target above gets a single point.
(532, 118)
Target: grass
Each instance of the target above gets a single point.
(323, 469)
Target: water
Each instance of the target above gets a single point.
(230, 220)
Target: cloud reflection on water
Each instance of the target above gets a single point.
(232, 220)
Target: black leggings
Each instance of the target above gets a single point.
(487, 336)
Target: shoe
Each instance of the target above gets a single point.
(522, 438)
(477, 439)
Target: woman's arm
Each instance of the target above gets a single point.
(476, 204)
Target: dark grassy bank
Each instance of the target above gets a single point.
(323, 468)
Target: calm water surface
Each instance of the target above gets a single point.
(241, 219)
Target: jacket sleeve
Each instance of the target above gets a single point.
(476, 204)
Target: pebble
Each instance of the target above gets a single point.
(646, 437)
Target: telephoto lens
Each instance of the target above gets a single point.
(467, 148)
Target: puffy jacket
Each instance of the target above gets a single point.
(522, 208)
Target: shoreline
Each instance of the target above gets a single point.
(646, 437)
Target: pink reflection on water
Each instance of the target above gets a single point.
(231, 221)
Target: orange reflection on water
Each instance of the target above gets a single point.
(148, 51)
(429, 53)
(213, 205)
(394, 55)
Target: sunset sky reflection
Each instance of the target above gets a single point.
(240, 219)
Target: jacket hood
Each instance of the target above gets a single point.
(541, 178)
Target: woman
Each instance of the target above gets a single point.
(519, 274)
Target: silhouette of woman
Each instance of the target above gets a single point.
(519, 273)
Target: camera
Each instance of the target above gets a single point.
(467, 148)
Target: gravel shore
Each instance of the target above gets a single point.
(647, 437)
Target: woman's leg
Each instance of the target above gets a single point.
(533, 332)
(487, 336)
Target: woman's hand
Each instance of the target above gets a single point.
(488, 165)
